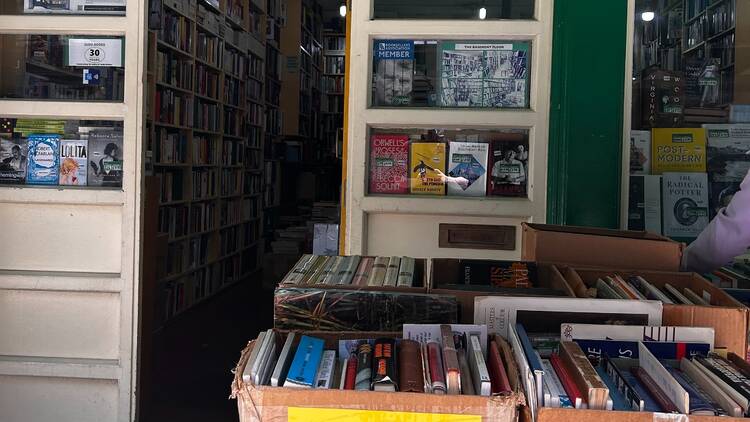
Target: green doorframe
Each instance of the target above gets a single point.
(586, 112)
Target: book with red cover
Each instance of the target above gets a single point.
(351, 373)
(649, 384)
(389, 164)
(450, 361)
(410, 374)
(498, 376)
(436, 367)
(567, 381)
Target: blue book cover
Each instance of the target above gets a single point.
(534, 361)
(594, 349)
(305, 364)
(618, 400)
(623, 370)
(44, 160)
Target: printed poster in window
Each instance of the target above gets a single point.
(484, 74)
(394, 72)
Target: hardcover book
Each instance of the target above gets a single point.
(640, 152)
(105, 158)
(305, 364)
(508, 274)
(14, 159)
(509, 168)
(427, 159)
(584, 375)
(73, 160)
(44, 160)
(450, 360)
(411, 378)
(389, 158)
(384, 363)
(467, 169)
(685, 204)
(678, 150)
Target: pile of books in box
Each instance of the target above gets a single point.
(352, 270)
(638, 288)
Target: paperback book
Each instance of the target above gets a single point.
(14, 153)
(640, 152)
(44, 160)
(105, 158)
(509, 164)
(644, 207)
(389, 158)
(73, 159)
(393, 74)
(727, 148)
(467, 169)
(678, 150)
(685, 204)
(427, 162)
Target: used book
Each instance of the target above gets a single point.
(14, 159)
(43, 160)
(389, 164)
(105, 158)
(426, 163)
(73, 160)
(467, 169)
(685, 204)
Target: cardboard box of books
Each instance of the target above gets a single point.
(468, 278)
(689, 299)
(317, 376)
(594, 247)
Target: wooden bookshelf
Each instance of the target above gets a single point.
(206, 128)
(301, 46)
(332, 85)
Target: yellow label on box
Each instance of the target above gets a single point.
(311, 414)
(678, 150)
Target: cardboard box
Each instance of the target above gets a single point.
(265, 403)
(604, 248)
(728, 317)
(443, 271)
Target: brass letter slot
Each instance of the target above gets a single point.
(475, 236)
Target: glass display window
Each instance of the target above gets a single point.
(450, 74)
(63, 7)
(453, 9)
(70, 153)
(62, 67)
(449, 162)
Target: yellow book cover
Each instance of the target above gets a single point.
(426, 157)
(678, 150)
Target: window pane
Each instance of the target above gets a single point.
(473, 74)
(454, 9)
(690, 113)
(63, 7)
(61, 152)
(61, 67)
(455, 162)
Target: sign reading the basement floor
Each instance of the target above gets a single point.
(95, 52)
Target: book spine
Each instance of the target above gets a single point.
(411, 378)
(346, 274)
(406, 272)
(570, 386)
(391, 273)
(364, 367)
(305, 364)
(450, 360)
(498, 377)
(362, 275)
(377, 274)
(436, 368)
(324, 377)
(384, 364)
(480, 373)
(350, 376)
(727, 374)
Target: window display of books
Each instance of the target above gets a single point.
(473, 74)
(462, 163)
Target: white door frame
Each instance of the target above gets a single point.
(63, 303)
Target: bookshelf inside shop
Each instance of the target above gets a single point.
(271, 159)
(332, 106)
(206, 132)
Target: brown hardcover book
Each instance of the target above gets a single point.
(498, 377)
(511, 368)
(411, 378)
(450, 361)
(584, 375)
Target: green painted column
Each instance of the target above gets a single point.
(586, 112)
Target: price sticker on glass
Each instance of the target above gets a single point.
(95, 52)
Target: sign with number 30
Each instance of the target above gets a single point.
(95, 52)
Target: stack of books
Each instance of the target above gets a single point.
(394, 271)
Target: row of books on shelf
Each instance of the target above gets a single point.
(582, 366)
(176, 31)
(399, 165)
(638, 288)
(334, 64)
(172, 70)
(334, 42)
(392, 271)
(48, 159)
(207, 81)
(333, 84)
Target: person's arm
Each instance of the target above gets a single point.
(727, 236)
